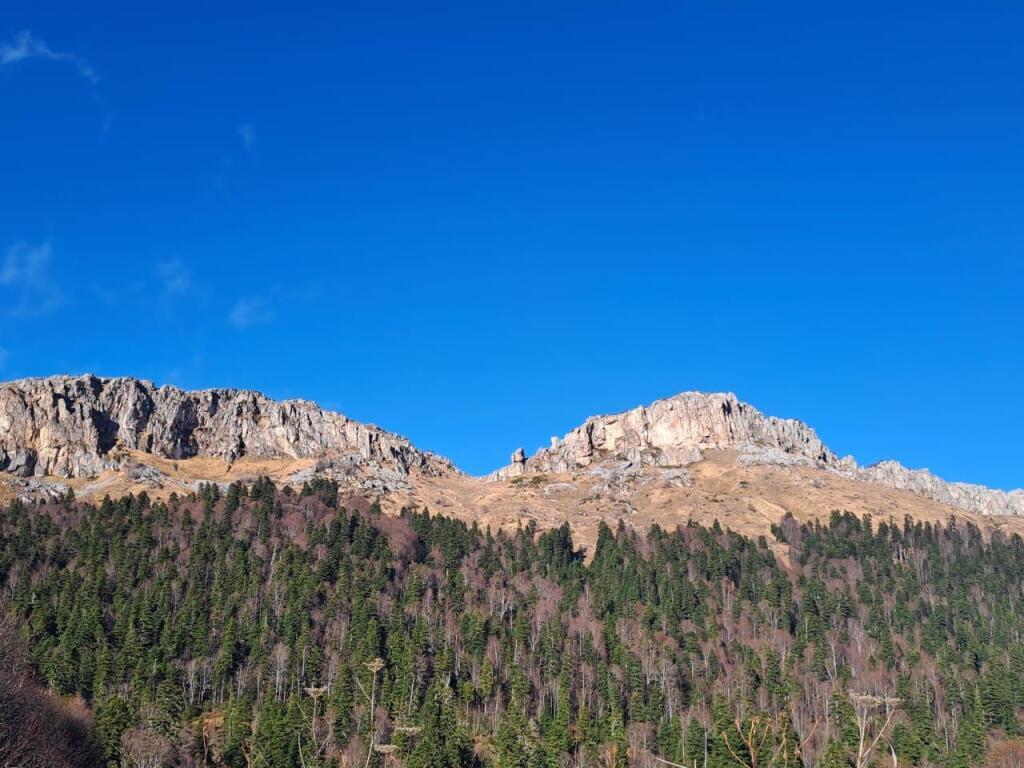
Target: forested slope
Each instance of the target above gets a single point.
(268, 628)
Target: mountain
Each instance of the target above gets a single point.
(235, 581)
(675, 432)
(976, 498)
(691, 453)
(81, 426)
(678, 430)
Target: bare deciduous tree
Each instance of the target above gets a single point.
(874, 715)
(1006, 754)
(144, 748)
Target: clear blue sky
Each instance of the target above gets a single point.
(478, 223)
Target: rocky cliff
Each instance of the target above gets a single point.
(79, 427)
(674, 432)
(975, 498)
(76, 427)
(677, 430)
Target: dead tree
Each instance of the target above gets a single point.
(874, 715)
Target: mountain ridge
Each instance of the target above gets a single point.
(72, 426)
(677, 430)
(672, 431)
(86, 425)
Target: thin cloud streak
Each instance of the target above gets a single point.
(26, 46)
(175, 277)
(249, 312)
(26, 274)
(247, 133)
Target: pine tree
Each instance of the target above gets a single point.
(558, 739)
(113, 717)
(670, 739)
(441, 743)
(586, 732)
(237, 729)
(969, 750)
(835, 755)
(517, 744)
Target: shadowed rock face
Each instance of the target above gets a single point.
(72, 426)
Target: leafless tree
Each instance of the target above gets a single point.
(37, 728)
(874, 715)
(144, 748)
(1006, 754)
(375, 666)
(319, 739)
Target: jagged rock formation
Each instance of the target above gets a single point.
(675, 432)
(518, 465)
(975, 498)
(78, 427)
(75, 427)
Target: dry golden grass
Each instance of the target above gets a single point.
(745, 498)
(221, 471)
(179, 476)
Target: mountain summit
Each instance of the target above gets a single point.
(678, 431)
(674, 432)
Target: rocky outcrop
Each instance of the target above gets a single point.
(974, 498)
(675, 432)
(515, 467)
(81, 426)
(75, 426)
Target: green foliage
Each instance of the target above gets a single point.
(113, 717)
(442, 743)
(243, 627)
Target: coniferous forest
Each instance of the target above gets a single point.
(260, 627)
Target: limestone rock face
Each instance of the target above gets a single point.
(516, 468)
(674, 432)
(72, 427)
(81, 426)
(975, 498)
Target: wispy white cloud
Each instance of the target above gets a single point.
(249, 312)
(26, 46)
(247, 133)
(175, 277)
(25, 274)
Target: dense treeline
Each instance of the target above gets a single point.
(256, 627)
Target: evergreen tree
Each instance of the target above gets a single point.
(442, 743)
(113, 717)
(970, 737)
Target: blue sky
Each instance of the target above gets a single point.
(477, 224)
